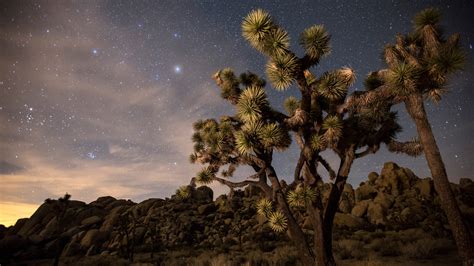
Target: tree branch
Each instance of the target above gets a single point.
(411, 148)
(369, 150)
(235, 184)
(328, 167)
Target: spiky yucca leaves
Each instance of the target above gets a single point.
(291, 104)
(333, 129)
(183, 192)
(403, 78)
(278, 221)
(301, 196)
(318, 142)
(264, 207)
(205, 176)
(273, 136)
(252, 104)
(280, 71)
(334, 85)
(228, 83)
(315, 41)
(347, 75)
(427, 17)
(256, 25)
(436, 94)
(277, 43)
(448, 60)
(310, 77)
(247, 139)
(372, 81)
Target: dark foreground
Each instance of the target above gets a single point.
(392, 219)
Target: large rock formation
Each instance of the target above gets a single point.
(394, 200)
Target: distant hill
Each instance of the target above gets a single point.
(393, 213)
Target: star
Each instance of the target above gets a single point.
(177, 69)
(95, 51)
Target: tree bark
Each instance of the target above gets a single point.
(332, 203)
(296, 234)
(415, 107)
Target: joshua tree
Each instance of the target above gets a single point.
(419, 64)
(60, 208)
(319, 120)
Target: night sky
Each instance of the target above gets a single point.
(98, 97)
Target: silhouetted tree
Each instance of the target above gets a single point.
(319, 119)
(419, 64)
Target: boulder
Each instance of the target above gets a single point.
(425, 186)
(385, 200)
(365, 191)
(50, 228)
(203, 193)
(412, 215)
(36, 219)
(206, 209)
(372, 177)
(376, 213)
(91, 220)
(360, 208)
(92, 237)
(348, 220)
(112, 218)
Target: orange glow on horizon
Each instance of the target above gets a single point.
(10, 212)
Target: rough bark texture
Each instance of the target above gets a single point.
(415, 107)
(296, 234)
(333, 203)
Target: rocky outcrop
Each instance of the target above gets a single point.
(394, 200)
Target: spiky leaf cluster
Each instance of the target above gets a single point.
(256, 135)
(427, 17)
(278, 221)
(228, 83)
(281, 71)
(334, 85)
(420, 61)
(315, 41)
(403, 77)
(183, 192)
(291, 104)
(318, 142)
(273, 136)
(252, 104)
(259, 29)
(301, 196)
(205, 176)
(264, 207)
(333, 128)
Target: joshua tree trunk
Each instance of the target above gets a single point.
(296, 234)
(415, 107)
(333, 203)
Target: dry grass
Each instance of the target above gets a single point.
(426, 248)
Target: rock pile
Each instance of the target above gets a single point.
(394, 200)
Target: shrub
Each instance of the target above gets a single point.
(350, 249)
(426, 248)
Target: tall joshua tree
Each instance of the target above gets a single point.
(320, 119)
(419, 64)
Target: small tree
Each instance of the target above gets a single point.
(419, 64)
(319, 120)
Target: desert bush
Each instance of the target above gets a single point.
(389, 248)
(426, 248)
(350, 249)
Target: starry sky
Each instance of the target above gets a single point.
(98, 97)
